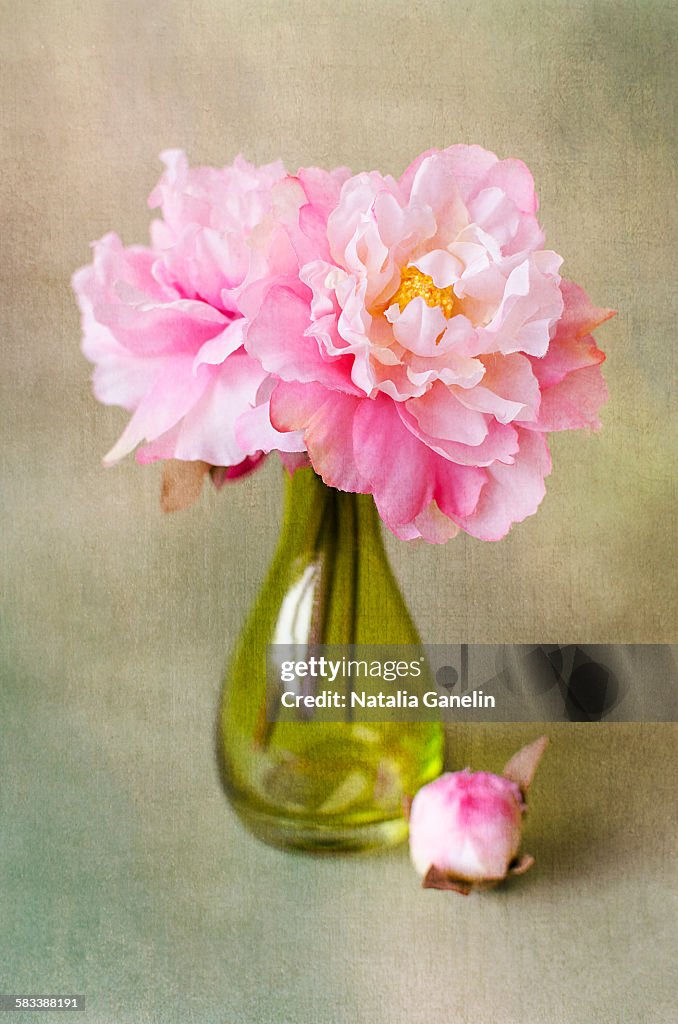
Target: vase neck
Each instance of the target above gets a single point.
(339, 581)
(315, 515)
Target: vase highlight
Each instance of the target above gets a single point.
(330, 785)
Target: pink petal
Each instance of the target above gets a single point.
(452, 350)
(208, 429)
(315, 275)
(310, 238)
(326, 419)
(401, 227)
(120, 377)
(457, 486)
(202, 263)
(441, 266)
(323, 188)
(469, 165)
(347, 222)
(574, 402)
(509, 389)
(409, 174)
(152, 328)
(566, 354)
(458, 489)
(435, 186)
(500, 445)
(366, 256)
(496, 214)
(217, 349)
(114, 264)
(515, 180)
(175, 390)
(440, 414)
(512, 492)
(430, 525)
(579, 317)
(277, 338)
(512, 179)
(418, 327)
(255, 432)
(531, 306)
(396, 464)
(222, 474)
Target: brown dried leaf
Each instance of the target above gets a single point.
(436, 879)
(522, 766)
(181, 484)
(523, 864)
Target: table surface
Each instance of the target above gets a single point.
(127, 878)
(123, 874)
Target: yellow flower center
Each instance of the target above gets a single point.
(413, 283)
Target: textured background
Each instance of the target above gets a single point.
(122, 875)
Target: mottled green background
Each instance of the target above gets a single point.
(122, 874)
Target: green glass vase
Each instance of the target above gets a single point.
(332, 785)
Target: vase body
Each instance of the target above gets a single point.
(332, 785)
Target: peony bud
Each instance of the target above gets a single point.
(465, 827)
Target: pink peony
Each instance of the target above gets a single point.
(465, 827)
(427, 353)
(164, 325)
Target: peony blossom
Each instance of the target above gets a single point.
(427, 352)
(465, 827)
(164, 326)
(412, 339)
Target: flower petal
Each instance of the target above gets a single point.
(531, 306)
(418, 327)
(222, 345)
(573, 403)
(509, 389)
(393, 460)
(207, 430)
(579, 316)
(500, 445)
(255, 432)
(440, 414)
(174, 391)
(512, 492)
(326, 420)
(277, 338)
(430, 525)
